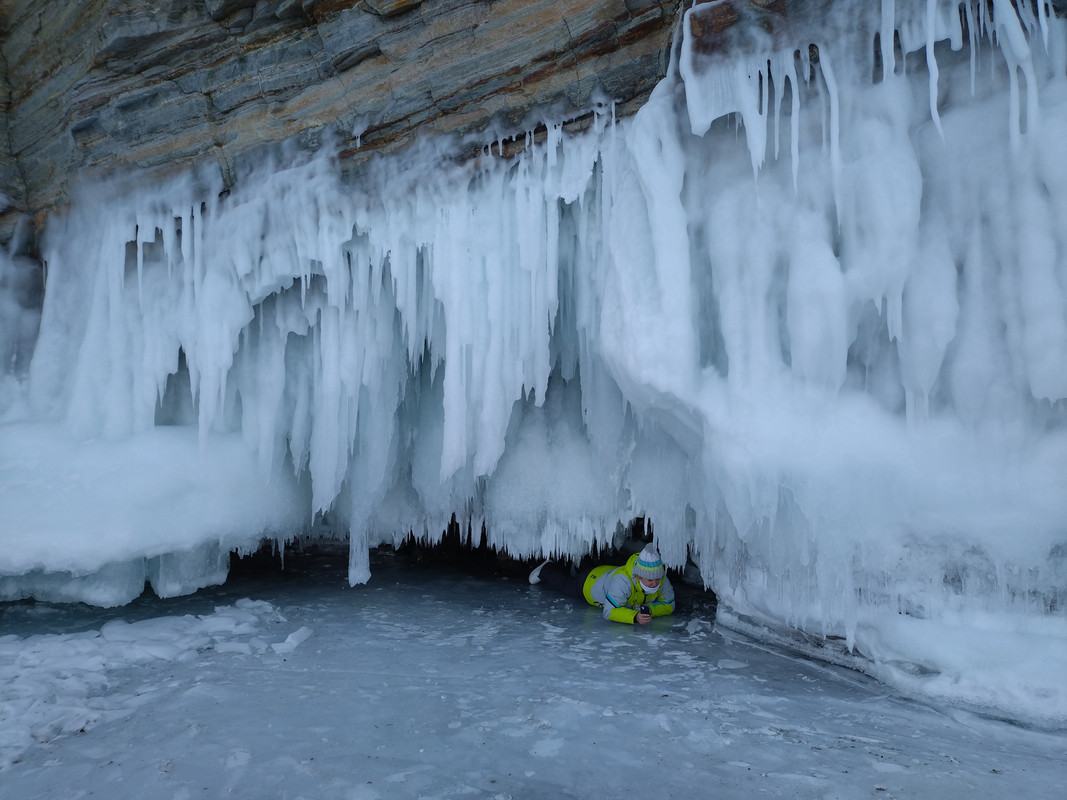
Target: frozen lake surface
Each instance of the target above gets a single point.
(453, 680)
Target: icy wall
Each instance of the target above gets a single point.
(807, 311)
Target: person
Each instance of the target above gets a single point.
(632, 593)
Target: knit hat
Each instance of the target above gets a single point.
(649, 565)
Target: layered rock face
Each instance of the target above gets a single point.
(102, 85)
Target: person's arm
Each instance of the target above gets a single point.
(618, 595)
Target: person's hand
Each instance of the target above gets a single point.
(643, 619)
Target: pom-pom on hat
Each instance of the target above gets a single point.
(649, 565)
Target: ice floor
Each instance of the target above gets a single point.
(448, 681)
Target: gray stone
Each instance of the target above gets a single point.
(219, 10)
(105, 85)
(390, 8)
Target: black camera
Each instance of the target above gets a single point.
(643, 609)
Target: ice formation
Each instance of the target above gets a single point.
(806, 311)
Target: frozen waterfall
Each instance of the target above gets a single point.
(806, 311)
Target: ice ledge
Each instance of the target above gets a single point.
(91, 521)
(953, 663)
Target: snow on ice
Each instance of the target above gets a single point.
(430, 682)
(806, 311)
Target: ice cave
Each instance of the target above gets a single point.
(805, 311)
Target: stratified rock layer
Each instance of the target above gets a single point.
(99, 85)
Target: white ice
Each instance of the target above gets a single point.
(445, 683)
(806, 312)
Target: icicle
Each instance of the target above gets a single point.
(931, 64)
(358, 557)
(553, 142)
(835, 126)
(788, 71)
(140, 265)
(973, 34)
(1016, 49)
(887, 33)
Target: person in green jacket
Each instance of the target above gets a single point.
(632, 593)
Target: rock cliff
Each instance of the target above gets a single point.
(102, 85)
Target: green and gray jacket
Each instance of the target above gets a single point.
(618, 592)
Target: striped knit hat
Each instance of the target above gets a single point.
(649, 565)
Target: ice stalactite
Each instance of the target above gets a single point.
(833, 373)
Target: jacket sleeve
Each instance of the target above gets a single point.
(618, 595)
(622, 614)
(664, 603)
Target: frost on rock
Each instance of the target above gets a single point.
(806, 311)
